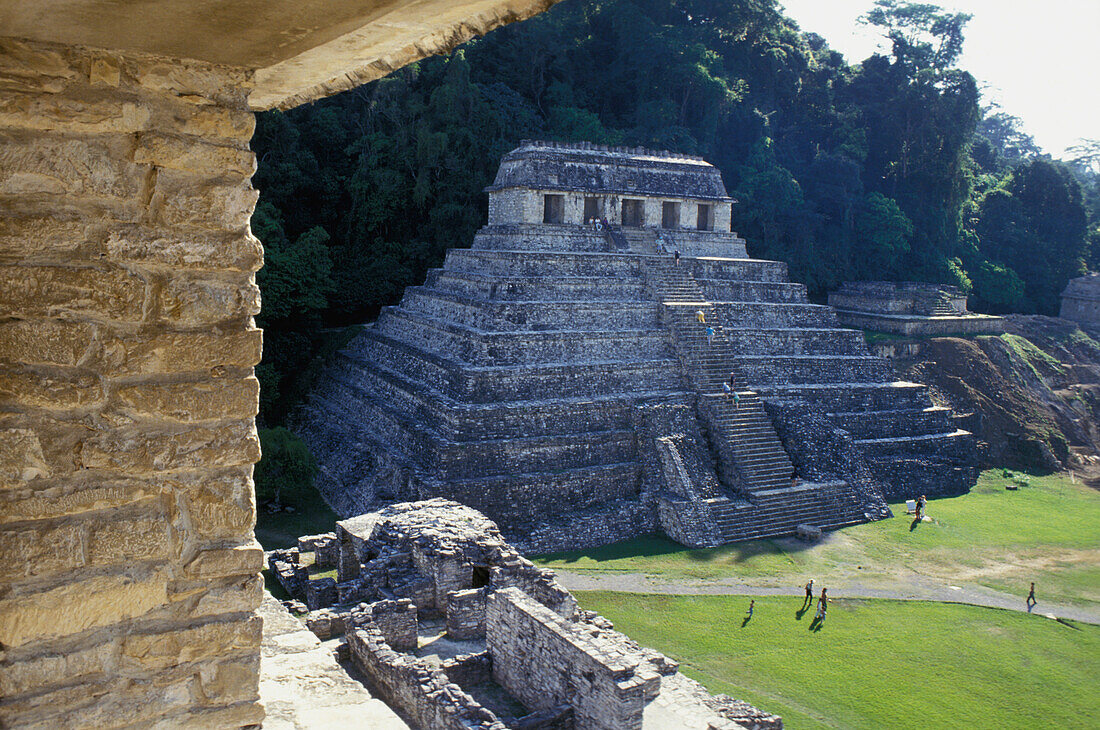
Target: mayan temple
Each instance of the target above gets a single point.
(569, 380)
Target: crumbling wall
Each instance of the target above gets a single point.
(544, 660)
(423, 693)
(127, 394)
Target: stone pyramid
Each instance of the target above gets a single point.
(560, 376)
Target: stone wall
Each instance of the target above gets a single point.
(424, 693)
(127, 394)
(544, 660)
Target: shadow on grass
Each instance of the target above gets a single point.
(802, 611)
(651, 546)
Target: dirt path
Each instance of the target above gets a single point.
(905, 591)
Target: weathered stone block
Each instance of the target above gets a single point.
(217, 122)
(221, 506)
(41, 550)
(80, 116)
(51, 291)
(93, 168)
(221, 562)
(229, 682)
(32, 67)
(178, 352)
(142, 449)
(192, 300)
(211, 399)
(237, 595)
(191, 81)
(42, 342)
(21, 458)
(28, 389)
(50, 669)
(185, 199)
(126, 539)
(73, 499)
(191, 155)
(241, 252)
(46, 237)
(77, 606)
(209, 641)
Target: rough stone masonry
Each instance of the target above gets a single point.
(129, 582)
(413, 576)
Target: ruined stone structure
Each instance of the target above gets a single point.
(1081, 300)
(910, 308)
(557, 377)
(127, 396)
(455, 630)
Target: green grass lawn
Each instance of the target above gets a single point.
(1048, 530)
(282, 529)
(875, 663)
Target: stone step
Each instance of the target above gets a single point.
(541, 288)
(543, 263)
(949, 444)
(541, 237)
(738, 270)
(795, 341)
(518, 499)
(899, 423)
(503, 316)
(483, 384)
(852, 396)
(781, 369)
(481, 347)
(776, 314)
(727, 290)
(461, 421)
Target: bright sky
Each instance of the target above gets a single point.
(1038, 59)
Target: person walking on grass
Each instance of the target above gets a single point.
(1031, 598)
(752, 605)
(809, 593)
(822, 605)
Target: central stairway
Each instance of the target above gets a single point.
(767, 499)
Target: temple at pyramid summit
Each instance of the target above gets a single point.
(584, 383)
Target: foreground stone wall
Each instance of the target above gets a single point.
(127, 396)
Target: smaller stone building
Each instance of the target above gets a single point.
(455, 630)
(909, 308)
(550, 183)
(1081, 300)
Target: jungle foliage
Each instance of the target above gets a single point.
(888, 169)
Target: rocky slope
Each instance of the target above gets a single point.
(1032, 395)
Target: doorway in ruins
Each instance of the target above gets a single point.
(670, 215)
(553, 209)
(592, 208)
(632, 213)
(705, 221)
(480, 576)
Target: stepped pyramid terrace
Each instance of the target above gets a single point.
(560, 378)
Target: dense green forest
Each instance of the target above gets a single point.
(891, 168)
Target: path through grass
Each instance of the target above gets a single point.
(875, 663)
(1048, 531)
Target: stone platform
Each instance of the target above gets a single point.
(303, 687)
(911, 309)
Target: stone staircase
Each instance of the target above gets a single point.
(742, 433)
